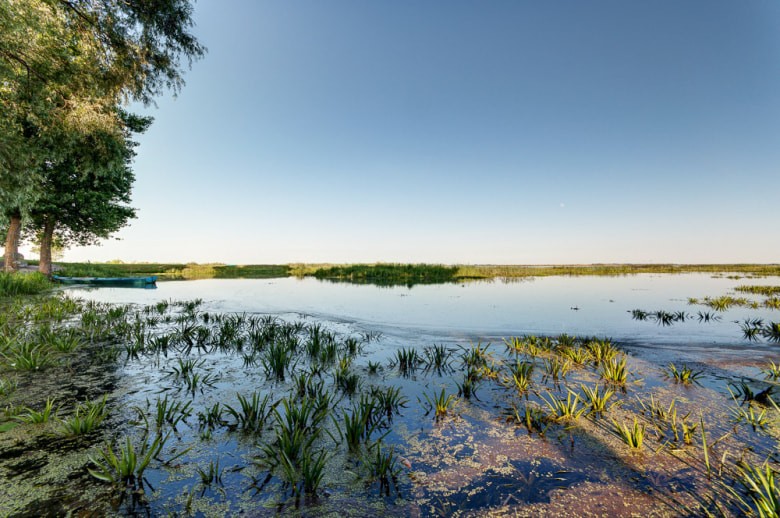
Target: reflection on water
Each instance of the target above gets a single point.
(544, 306)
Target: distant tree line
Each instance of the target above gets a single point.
(67, 70)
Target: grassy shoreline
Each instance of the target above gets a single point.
(394, 273)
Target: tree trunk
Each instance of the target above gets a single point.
(12, 242)
(44, 265)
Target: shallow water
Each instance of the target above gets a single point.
(584, 306)
(469, 461)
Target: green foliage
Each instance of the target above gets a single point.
(761, 484)
(38, 417)
(615, 371)
(633, 436)
(563, 410)
(13, 284)
(388, 274)
(86, 418)
(440, 403)
(683, 376)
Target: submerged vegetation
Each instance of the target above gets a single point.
(168, 408)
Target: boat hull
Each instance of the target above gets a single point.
(130, 282)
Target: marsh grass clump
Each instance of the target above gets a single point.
(706, 316)
(211, 475)
(476, 357)
(15, 284)
(86, 418)
(437, 358)
(761, 484)
(532, 417)
(7, 387)
(124, 468)
(563, 409)
(596, 400)
(771, 332)
(389, 400)
(615, 371)
(556, 368)
(521, 376)
(684, 376)
(440, 403)
(406, 360)
(601, 350)
(251, 414)
(38, 417)
(633, 436)
(771, 372)
(276, 360)
(26, 356)
(752, 329)
(383, 468)
(578, 355)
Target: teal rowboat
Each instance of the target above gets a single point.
(129, 282)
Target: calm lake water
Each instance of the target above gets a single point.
(474, 311)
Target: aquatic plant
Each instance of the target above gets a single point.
(476, 356)
(170, 412)
(126, 466)
(532, 417)
(578, 355)
(556, 369)
(28, 357)
(358, 425)
(772, 303)
(756, 419)
(772, 371)
(346, 381)
(638, 314)
(614, 371)
(772, 332)
(767, 291)
(663, 318)
(761, 484)
(437, 358)
(521, 374)
(406, 360)
(596, 400)
(752, 329)
(251, 414)
(602, 350)
(38, 417)
(312, 468)
(563, 410)
(633, 436)
(211, 418)
(467, 387)
(373, 367)
(211, 475)
(382, 467)
(353, 346)
(7, 387)
(706, 316)
(658, 411)
(389, 400)
(684, 376)
(276, 359)
(439, 402)
(86, 418)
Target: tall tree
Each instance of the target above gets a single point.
(64, 66)
(84, 196)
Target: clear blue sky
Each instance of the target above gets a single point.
(467, 132)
